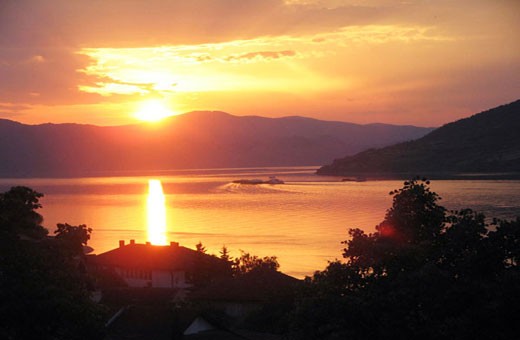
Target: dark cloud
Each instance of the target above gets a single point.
(43, 76)
(202, 57)
(261, 55)
(12, 110)
(14, 107)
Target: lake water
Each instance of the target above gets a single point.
(302, 221)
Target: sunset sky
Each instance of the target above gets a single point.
(405, 62)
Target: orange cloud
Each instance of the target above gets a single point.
(261, 55)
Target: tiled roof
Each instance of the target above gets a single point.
(146, 256)
(255, 286)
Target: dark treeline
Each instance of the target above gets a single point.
(243, 264)
(44, 288)
(425, 273)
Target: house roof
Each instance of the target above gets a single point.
(143, 321)
(146, 256)
(255, 286)
(216, 334)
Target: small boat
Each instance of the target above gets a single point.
(248, 181)
(357, 179)
(274, 180)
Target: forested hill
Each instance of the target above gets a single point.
(203, 139)
(485, 142)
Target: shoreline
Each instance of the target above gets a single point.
(428, 175)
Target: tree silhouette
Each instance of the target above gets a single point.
(75, 237)
(200, 248)
(43, 290)
(18, 216)
(247, 263)
(224, 254)
(425, 273)
(406, 236)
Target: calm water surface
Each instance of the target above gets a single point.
(302, 222)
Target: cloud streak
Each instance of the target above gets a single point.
(261, 55)
(119, 23)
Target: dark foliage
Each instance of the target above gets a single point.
(43, 285)
(18, 216)
(208, 268)
(224, 254)
(200, 248)
(424, 274)
(247, 263)
(73, 237)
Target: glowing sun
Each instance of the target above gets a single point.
(153, 111)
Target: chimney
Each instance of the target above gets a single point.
(132, 242)
(174, 244)
(121, 243)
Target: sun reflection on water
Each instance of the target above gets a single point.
(156, 210)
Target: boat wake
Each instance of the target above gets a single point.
(239, 188)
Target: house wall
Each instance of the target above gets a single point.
(162, 279)
(137, 278)
(137, 283)
(179, 280)
(236, 309)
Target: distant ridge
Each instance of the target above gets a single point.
(487, 142)
(195, 140)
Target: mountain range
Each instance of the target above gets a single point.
(200, 139)
(487, 142)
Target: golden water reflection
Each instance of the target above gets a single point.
(301, 222)
(156, 213)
